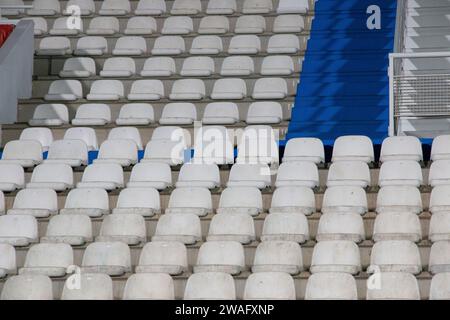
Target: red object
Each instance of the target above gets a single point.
(5, 31)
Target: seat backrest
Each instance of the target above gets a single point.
(54, 172)
(94, 111)
(87, 135)
(36, 199)
(122, 64)
(103, 172)
(130, 133)
(66, 86)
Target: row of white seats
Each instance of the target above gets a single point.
(154, 7)
(215, 113)
(184, 89)
(124, 67)
(218, 285)
(253, 24)
(168, 46)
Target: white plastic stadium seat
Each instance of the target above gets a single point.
(394, 286)
(401, 148)
(142, 201)
(112, 258)
(439, 173)
(182, 113)
(149, 286)
(249, 175)
(115, 8)
(26, 153)
(264, 113)
(293, 6)
(171, 133)
(56, 176)
(283, 44)
(90, 202)
(27, 287)
(244, 44)
(336, 256)
(440, 149)
(150, 175)
(395, 256)
(108, 176)
(43, 135)
(159, 67)
(178, 25)
(221, 113)
(220, 256)
(245, 200)
(135, 114)
(64, 90)
(186, 7)
(78, 67)
(439, 261)
(45, 8)
(168, 45)
(140, 26)
(209, 45)
(439, 287)
(221, 7)
(18, 230)
(91, 46)
(13, 11)
(130, 46)
(163, 257)
(257, 6)
(258, 144)
(270, 88)
(237, 66)
(399, 199)
(49, 259)
(74, 229)
(251, 24)
(351, 199)
(269, 286)
(93, 286)
(129, 133)
(111, 90)
(297, 174)
(288, 23)
(285, 227)
(348, 173)
(146, 90)
(118, 67)
(168, 152)
(232, 227)
(210, 286)
(198, 67)
(347, 226)
(71, 152)
(397, 226)
(121, 151)
(196, 201)
(304, 149)
(103, 26)
(127, 228)
(331, 286)
(150, 7)
(87, 135)
(214, 25)
(353, 148)
(293, 200)
(278, 256)
(7, 260)
(182, 227)
(188, 89)
(64, 27)
(40, 24)
(199, 175)
(213, 145)
(400, 173)
(277, 66)
(39, 203)
(12, 177)
(92, 114)
(86, 7)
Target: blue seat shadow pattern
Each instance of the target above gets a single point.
(344, 84)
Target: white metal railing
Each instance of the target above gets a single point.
(420, 89)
